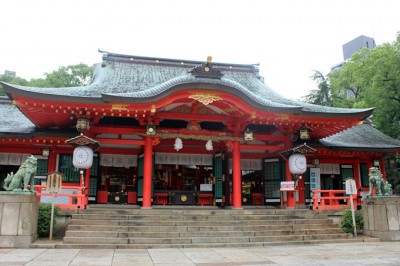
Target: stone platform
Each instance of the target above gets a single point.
(382, 218)
(18, 219)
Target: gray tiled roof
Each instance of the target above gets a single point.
(141, 80)
(13, 120)
(361, 137)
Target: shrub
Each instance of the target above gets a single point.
(45, 217)
(347, 221)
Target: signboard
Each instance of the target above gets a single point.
(54, 182)
(206, 187)
(315, 179)
(287, 185)
(351, 188)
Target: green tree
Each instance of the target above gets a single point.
(373, 79)
(12, 80)
(64, 76)
(348, 82)
(69, 76)
(322, 95)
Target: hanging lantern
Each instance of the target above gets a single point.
(82, 157)
(304, 133)
(248, 135)
(178, 144)
(297, 163)
(209, 145)
(151, 130)
(82, 124)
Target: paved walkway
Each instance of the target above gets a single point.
(369, 253)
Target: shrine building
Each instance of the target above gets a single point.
(180, 132)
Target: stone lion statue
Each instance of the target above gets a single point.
(23, 177)
(383, 188)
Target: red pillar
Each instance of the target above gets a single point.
(302, 190)
(291, 198)
(87, 183)
(147, 171)
(237, 176)
(52, 162)
(357, 178)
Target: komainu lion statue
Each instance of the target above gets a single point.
(24, 176)
(383, 188)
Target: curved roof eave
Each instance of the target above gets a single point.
(362, 136)
(357, 113)
(216, 85)
(30, 92)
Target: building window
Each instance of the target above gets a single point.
(68, 170)
(273, 175)
(42, 169)
(364, 175)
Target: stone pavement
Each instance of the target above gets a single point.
(367, 253)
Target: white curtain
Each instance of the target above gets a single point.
(4, 158)
(14, 159)
(118, 160)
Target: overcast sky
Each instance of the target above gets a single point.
(288, 38)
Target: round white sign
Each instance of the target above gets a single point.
(83, 157)
(297, 163)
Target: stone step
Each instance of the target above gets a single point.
(209, 239)
(199, 223)
(200, 245)
(195, 211)
(214, 233)
(195, 217)
(157, 228)
(123, 227)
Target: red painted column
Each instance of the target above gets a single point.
(52, 162)
(237, 176)
(357, 178)
(87, 183)
(147, 171)
(291, 198)
(302, 190)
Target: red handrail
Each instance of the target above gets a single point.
(79, 200)
(331, 199)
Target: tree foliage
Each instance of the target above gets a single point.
(70, 76)
(371, 78)
(322, 95)
(64, 76)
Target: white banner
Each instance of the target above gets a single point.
(118, 160)
(14, 159)
(3, 158)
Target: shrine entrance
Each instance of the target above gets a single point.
(116, 185)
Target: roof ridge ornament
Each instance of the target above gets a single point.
(206, 70)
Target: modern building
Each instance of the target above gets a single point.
(355, 46)
(185, 132)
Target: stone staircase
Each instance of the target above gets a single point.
(110, 227)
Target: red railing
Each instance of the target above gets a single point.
(75, 200)
(331, 199)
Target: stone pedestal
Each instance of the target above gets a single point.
(18, 219)
(382, 218)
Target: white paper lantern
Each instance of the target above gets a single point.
(178, 144)
(82, 157)
(209, 145)
(297, 163)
